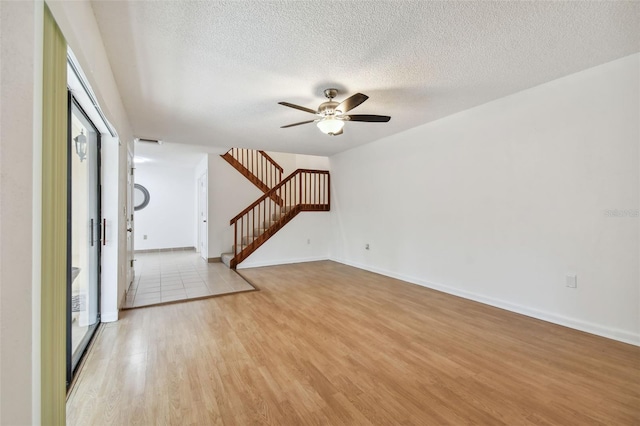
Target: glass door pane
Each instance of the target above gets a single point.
(84, 235)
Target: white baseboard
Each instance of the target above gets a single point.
(588, 327)
(247, 265)
(111, 316)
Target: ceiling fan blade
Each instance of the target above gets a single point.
(297, 124)
(352, 102)
(301, 108)
(369, 118)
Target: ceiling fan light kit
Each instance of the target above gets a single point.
(330, 125)
(332, 114)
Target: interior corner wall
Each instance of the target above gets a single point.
(168, 220)
(501, 202)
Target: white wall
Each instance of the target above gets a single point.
(292, 162)
(498, 203)
(169, 219)
(20, 210)
(306, 238)
(312, 162)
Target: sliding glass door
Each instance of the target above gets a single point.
(83, 247)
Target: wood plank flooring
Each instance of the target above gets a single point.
(324, 343)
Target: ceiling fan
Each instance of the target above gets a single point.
(331, 114)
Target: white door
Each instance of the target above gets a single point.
(130, 208)
(202, 216)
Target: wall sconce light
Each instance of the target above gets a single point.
(81, 145)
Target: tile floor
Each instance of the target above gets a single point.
(181, 275)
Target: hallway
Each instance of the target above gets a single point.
(163, 277)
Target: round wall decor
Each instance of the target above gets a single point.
(141, 197)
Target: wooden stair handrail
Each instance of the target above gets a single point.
(257, 166)
(272, 192)
(271, 160)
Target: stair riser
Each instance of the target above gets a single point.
(247, 240)
(226, 259)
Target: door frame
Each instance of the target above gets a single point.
(203, 224)
(72, 362)
(131, 272)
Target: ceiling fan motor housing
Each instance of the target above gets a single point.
(328, 108)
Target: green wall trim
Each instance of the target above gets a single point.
(54, 223)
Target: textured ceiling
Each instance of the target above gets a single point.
(211, 73)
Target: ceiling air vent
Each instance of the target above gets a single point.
(153, 141)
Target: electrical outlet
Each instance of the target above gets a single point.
(572, 281)
(144, 237)
(366, 247)
(308, 240)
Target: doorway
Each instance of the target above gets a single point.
(83, 234)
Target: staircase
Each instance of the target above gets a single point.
(303, 190)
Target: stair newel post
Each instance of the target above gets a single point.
(328, 192)
(324, 189)
(307, 188)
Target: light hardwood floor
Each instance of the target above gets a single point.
(324, 343)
